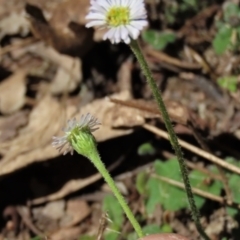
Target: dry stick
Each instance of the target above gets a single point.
(195, 150)
(198, 191)
(192, 165)
(23, 212)
(207, 149)
(102, 226)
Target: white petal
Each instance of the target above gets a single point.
(109, 34)
(139, 24)
(133, 32)
(95, 23)
(105, 4)
(127, 40)
(95, 16)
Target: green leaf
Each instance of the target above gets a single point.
(233, 182)
(189, 4)
(111, 236)
(151, 229)
(158, 40)
(87, 237)
(170, 197)
(233, 161)
(199, 180)
(231, 10)
(166, 228)
(115, 212)
(154, 195)
(141, 182)
(228, 82)
(173, 198)
(37, 238)
(222, 39)
(146, 149)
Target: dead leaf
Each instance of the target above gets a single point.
(69, 11)
(125, 117)
(66, 233)
(9, 125)
(73, 38)
(104, 110)
(76, 211)
(68, 188)
(69, 71)
(15, 23)
(36, 136)
(68, 75)
(12, 92)
(34, 141)
(54, 210)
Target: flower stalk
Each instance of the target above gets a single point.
(78, 136)
(96, 160)
(172, 135)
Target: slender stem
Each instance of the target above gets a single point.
(96, 160)
(172, 136)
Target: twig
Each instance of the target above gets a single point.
(74, 185)
(24, 213)
(168, 59)
(196, 150)
(195, 166)
(198, 191)
(205, 147)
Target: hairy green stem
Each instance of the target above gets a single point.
(84, 143)
(96, 160)
(172, 135)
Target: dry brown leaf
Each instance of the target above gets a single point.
(76, 211)
(34, 142)
(9, 125)
(66, 233)
(69, 72)
(104, 110)
(54, 210)
(71, 37)
(68, 188)
(67, 11)
(126, 117)
(9, 6)
(12, 92)
(14, 23)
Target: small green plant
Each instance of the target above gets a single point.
(86, 237)
(116, 215)
(158, 40)
(155, 191)
(233, 181)
(174, 8)
(146, 149)
(228, 30)
(160, 192)
(228, 82)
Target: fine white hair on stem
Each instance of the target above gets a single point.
(124, 18)
(86, 121)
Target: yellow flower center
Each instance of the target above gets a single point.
(118, 16)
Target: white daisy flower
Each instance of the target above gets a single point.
(87, 123)
(124, 18)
